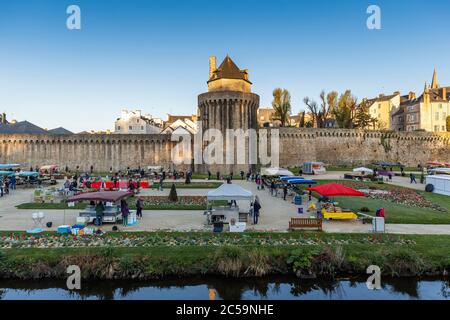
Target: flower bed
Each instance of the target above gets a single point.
(70, 241)
(162, 200)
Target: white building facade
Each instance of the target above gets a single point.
(134, 122)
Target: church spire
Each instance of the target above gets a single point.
(434, 82)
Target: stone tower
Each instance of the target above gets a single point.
(228, 104)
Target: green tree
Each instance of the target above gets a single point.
(345, 110)
(362, 118)
(282, 106)
(448, 124)
(173, 196)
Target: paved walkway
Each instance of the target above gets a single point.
(275, 215)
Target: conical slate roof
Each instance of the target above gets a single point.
(229, 70)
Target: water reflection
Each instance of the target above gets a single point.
(229, 289)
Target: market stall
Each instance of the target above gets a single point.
(229, 214)
(111, 199)
(276, 172)
(314, 168)
(329, 209)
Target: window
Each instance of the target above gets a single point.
(444, 116)
(142, 128)
(443, 128)
(440, 105)
(118, 128)
(436, 128)
(130, 127)
(436, 116)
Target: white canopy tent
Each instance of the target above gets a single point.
(230, 192)
(363, 169)
(276, 171)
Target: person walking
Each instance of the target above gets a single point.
(412, 177)
(13, 182)
(242, 175)
(256, 209)
(139, 207)
(218, 175)
(125, 212)
(272, 187)
(209, 175)
(1, 186)
(285, 191)
(161, 181)
(99, 212)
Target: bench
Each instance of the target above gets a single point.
(300, 223)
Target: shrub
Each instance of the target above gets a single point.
(300, 260)
(229, 260)
(401, 261)
(173, 197)
(365, 209)
(259, 263)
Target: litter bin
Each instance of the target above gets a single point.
(300, 210)
(298, 200)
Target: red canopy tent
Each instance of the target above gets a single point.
(336, 190)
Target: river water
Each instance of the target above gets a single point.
(285, 288)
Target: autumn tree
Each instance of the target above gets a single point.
(323, 112)
(362, 118)
(282, 106)
(345, 111)
(448, 123)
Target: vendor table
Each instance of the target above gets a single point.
(344, 215)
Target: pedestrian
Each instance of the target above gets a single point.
(131, 185)
(161, 181)
(209, 175)
(1, 186)
(125, 212)
(231, 175)
(248, 176)
(139, 207)
(285, 191)
(6, 185)
(99, 212)
(218, 175)
(12, 182)
(256, 209)
(412, 177)
(272, 187)
(242, 175)
(92, 169)
(390, 176)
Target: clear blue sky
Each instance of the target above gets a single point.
(153, 55)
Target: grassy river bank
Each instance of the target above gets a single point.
(162, 254)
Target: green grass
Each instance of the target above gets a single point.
(428, 253)
(398, 213)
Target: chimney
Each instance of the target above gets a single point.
(381, 95)
(396, 93)
(411, 95)
(3, 118)
(444, 93)
(212, 66)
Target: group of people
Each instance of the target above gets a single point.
(124, 210)
(7, 183)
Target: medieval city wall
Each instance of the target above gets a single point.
(359, 147)
(332, 146)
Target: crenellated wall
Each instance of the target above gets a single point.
(354, 147)
(332, 146)
(100, 151)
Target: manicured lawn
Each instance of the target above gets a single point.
(398, 213)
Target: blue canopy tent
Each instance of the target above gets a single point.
(9, 165)
(286, 178)
(301, 181)
(7, 173)
(27, 174)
